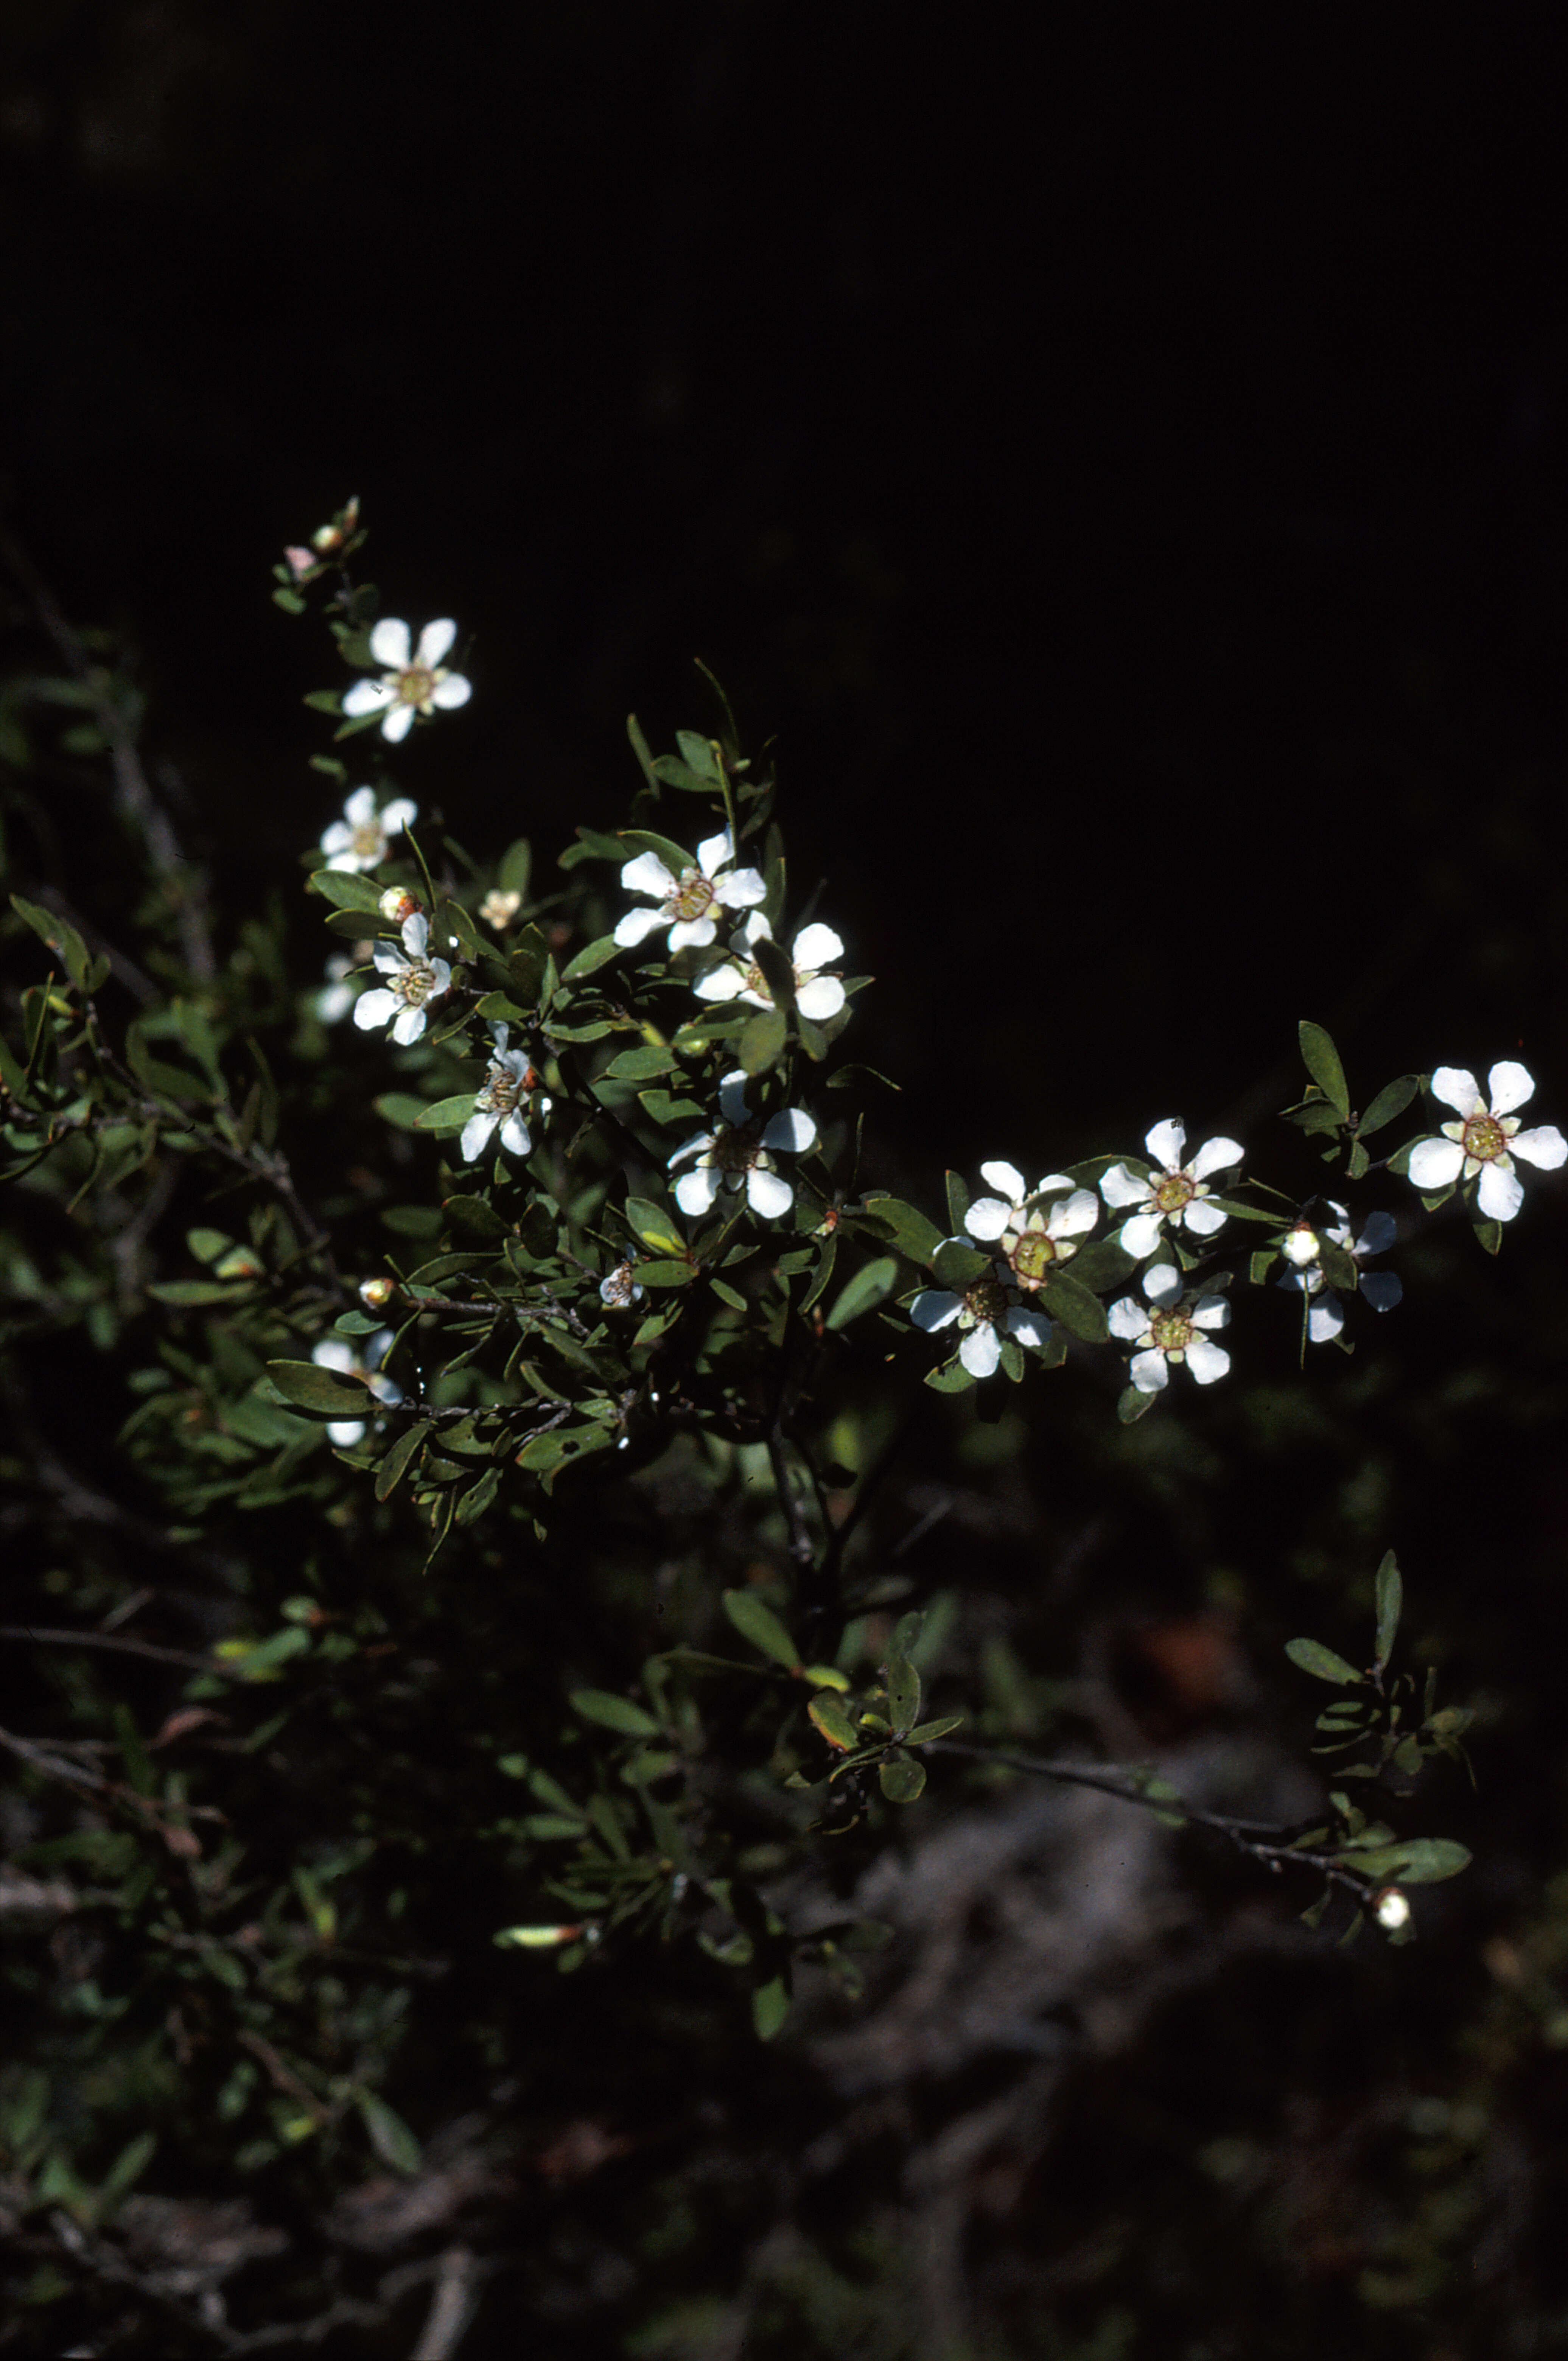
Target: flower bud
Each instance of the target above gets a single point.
(374, 1294)
(397, 904)
(1391, 1909)
(1301, 1245)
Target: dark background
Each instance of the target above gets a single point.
(1128, 478)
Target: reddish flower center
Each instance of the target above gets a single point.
(985, 1303)
(736, 1151)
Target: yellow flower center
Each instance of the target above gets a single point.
(503, 1092)
(985, 1304)
(416, 983)
(1033, 1256)
(1171, 1331)
(1484, 1138)
(693, 898)
(1172, 1191)
(370, 844)
(415, 684)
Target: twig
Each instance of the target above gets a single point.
(1250, 1837)
(452, 2306)
(49, 1638)
(134, 794)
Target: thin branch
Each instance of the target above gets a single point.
(133, 791)
(63, 1639)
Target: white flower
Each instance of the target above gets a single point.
(618, 1288)
(363, 1360)
(1391, 1909)
(499, 907)
(359, 840)
(508, 1086)
(1170, 1331)
(410, 983)
(739, 1154)
(817, 996)
(1173, 1191)
(987, 1309)
(685, 904)
(1032, 1241)
(1303, 1250)
(1485, 1139)
(409, 684)
(336, 996)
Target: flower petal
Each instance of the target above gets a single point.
(1545, 1147)
(1075, 1214)
(336, 1353)
(767, 1194)
(1382, 1289)
(435, 640)
(408, 1027)
(1202, 1218)
(1162, 1283)
(692, 1147)
(792, 1130)
(1215, 1156)
(1456, 1087)
(935, 1307)
(373, 1008)
(1500, 1193)
(738, 889)
(1127, 1319)
(818, 999)
(987, 1218)
(692, 934)
(516, 1137)
(1007, 1180)
(1119, 1187)
(732, 1098)
(815, 945)
(1510, 1085)
(398, 723)
(715, 851)
(637, 926)
(1139, 1236)
(1030, 1327)
(648, 875)
(389, 643)
(345, 1432)
(1166, 1142)
(1206, 1361)
(695, 1191)
(1378, 1233)
(721, 982)
(1435, 1162)
(981, 1350)
(367, 696)
(1148, 1372)
(452, 692)
(476, 1132)
(1210, 1311)
(1326, 1319)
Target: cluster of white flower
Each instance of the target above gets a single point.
(362, 1361)
(1033, 1230)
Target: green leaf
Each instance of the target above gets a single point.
(401, 1108)
(679, 774)
(324, 1391)
(667, 1272)
(1422, 1861)
(1390, 1597)
(477, 1497)
(957, 1265)
(1391, 1100)
(1311, 1656)
(923, 1735)
(641, 1065)
(515, 867)
(761, 1044)
(952, 1378)
(901, 1778)
(832, 1720)
(770, 2006)
(391, 2137)
(57, 937)
(590, 958)
(913, 1232)
(1074, 1306)
(390, 1471)
(868, 1288)
(903, 1688)
(613, 1712)
(655, 1227)
(346, 890)
(445, 1115)
(1322, 1062)
(958, 1202)
(698, 754)
(762, 1627)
